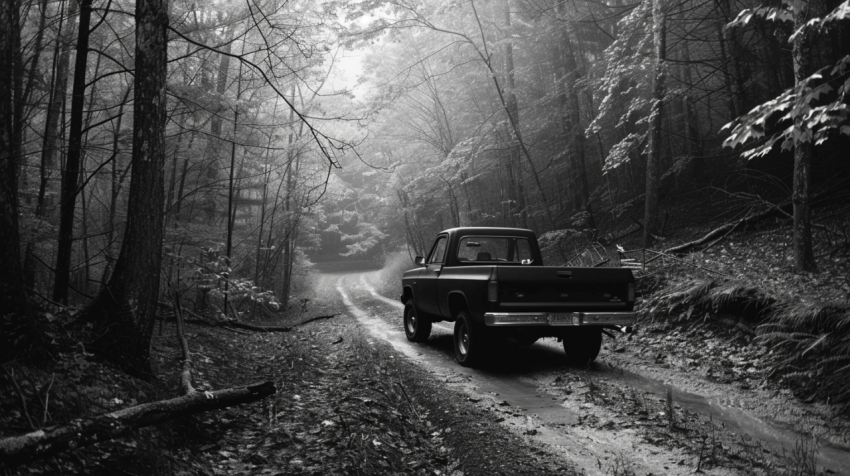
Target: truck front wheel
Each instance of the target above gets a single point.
(582, 344)
(416, 327)
(470, 340)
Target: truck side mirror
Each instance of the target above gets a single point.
(419, 260)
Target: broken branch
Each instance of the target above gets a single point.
(725, 230)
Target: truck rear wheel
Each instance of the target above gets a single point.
(582, 344)
(416, 328)
(471, 340)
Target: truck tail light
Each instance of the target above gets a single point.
(492, 291)
(631, 292)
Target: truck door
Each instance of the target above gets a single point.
(427, 300)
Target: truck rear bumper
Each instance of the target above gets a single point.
(505, 319)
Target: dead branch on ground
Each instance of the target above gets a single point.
(17, 450)
(784, 209)
(273, 328)
(49, 441)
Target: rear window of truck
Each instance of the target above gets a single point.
(508, 249)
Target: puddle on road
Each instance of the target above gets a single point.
(832, 456)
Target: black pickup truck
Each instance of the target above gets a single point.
(492, 284)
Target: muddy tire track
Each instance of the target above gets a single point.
(581, 415)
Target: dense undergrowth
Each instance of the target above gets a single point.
(747, 281)
(342, 406)
(809, 342)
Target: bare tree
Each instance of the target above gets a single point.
(71, 173)
(12, 294)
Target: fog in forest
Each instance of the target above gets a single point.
(216, 155)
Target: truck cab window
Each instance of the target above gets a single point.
(488, 249)
(438, 252)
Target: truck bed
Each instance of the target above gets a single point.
(534, 288)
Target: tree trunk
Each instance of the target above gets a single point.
(58, 79)
(50, 143)
(802, 51)
(214, 142)
(71, 174)
(59, 86)
(12, 295)
(512, 107)
(267, 171)
(116, 182)
(691, 130)
(486, 58)
(18, 95)
(653, 160)
(288, 230)
(124, 312)
(571, 121)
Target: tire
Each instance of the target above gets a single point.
(471, 340)
(416, 328)
(582, 344)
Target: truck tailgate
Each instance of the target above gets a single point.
(553, 288)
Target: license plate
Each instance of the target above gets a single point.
(561, 319)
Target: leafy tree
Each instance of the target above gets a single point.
(802, 116)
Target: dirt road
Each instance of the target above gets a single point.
(621, 415)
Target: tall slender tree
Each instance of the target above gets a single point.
(12, 293)
(124, 310)
(71, 173)
(802, 51)
(653, 160)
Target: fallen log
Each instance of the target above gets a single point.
(785, 208)
(726, 229)
(232, 324)
(722, 230)
(236, 324)
(17, 450)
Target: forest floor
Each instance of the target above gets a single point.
(349, 403)
(346, 404)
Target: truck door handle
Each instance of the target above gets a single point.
(565, 274)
